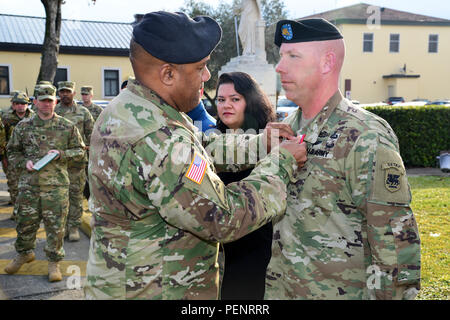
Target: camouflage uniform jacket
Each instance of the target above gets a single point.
(155, 232)
(3, 141)
(10, 119)
(348, 231)
(82, 119)
(80, 116)
(33, 138)
(95, 110)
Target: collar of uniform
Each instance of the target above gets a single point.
(38, 122)
(72, 107)
(313, 129)
(137, 88)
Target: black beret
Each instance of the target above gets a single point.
(290, 31)
(176, 38)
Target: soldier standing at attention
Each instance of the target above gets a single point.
(348, 231)
(86, 96)
(10, 119)
(44, 194)
(158, 207)
(83, 120)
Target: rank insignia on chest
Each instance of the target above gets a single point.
(197, 169)
(392, 176)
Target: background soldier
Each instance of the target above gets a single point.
(3, 110)
(43, 195)
(86, 96)
(10, 119)
(83, 120)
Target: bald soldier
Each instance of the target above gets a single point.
(159, 209)
(348, 231)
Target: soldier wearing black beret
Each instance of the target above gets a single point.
(348, 210)
(159, 208)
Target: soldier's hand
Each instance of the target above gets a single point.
(296, 149)
(275, 132)
(29, 165)
(55, 151)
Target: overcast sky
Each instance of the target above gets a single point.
(124, 10)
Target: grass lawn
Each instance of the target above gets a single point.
(431, 207)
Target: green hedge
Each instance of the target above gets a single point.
(423, 132)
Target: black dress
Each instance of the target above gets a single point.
(246, 259)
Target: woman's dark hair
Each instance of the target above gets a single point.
(258, 110)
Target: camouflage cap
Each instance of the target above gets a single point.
(45, 82)
(46, 92)
(20, 97)
(87, 90)
(66, 85)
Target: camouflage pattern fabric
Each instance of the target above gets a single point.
(2, 140)
(348, 231)
(10, 119)
(47, 204)
(83, 120)
(155, 232)
(33, 138)
(80, 116)
(95, 110)
(43, 194)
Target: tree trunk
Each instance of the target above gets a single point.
(50, 50)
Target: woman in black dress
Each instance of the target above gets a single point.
(241, 104)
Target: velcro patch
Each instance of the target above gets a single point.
(197, 169)
(392, 176)
(390, 183)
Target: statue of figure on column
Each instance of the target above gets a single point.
(250, 27)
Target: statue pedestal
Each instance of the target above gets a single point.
(256, 66)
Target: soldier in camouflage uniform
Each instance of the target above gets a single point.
(36, 87)
(44, 194)
(348, 231)
(83, 120)
(10, 119)
(158, 213)
(86, 95)
(3, 146)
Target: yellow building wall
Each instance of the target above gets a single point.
(366, 69)
(83, 69)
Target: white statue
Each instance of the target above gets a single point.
(249, 27)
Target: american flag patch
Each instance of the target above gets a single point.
(197, 169)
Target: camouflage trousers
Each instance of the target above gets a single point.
(77, 176)
(49, 204)
(13, 175)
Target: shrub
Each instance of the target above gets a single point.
(423, 132)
